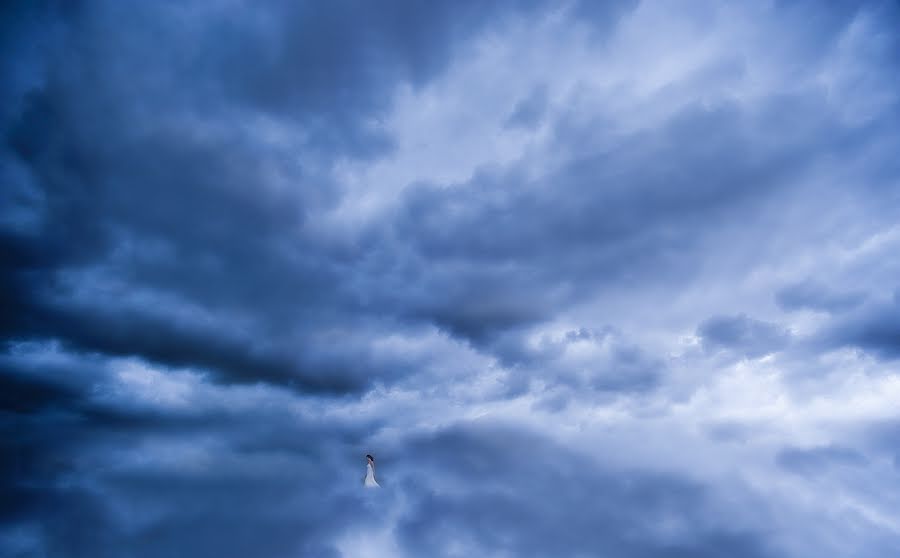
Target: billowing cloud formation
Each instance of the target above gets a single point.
(815, 296)
(587, 278)
(752, 338)
(875, 329)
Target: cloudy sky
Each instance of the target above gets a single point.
(587, 278)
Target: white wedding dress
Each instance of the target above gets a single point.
(370, 477)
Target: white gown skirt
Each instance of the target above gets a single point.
(370, 477)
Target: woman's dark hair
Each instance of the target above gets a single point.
(370, 457)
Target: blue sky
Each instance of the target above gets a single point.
(587, 278)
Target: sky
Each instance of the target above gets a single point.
(613, 279)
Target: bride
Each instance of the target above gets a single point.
(370, 472)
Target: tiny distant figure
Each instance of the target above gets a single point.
(370, 472)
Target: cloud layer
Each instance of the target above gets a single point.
(586, 278)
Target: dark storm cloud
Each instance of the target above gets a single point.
(874, 328)
(743, 334)
(24, 390)
(180, 343)
(489, 250)
(203, 332)
(37, 421)
(529, 111)
(90, 475)
(183, 214)
(293, 493)
(161, 206)
(563, 504)
(814, 295)
(117, 181)
(339, 61)
(810, 461)
(883, 438)
(234, 505)
(49, 413)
